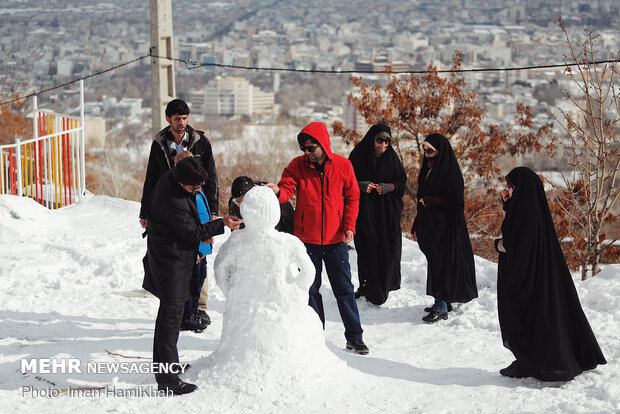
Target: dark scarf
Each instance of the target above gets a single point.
(368, 167)
(445, 179)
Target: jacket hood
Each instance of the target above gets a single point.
(318, 131)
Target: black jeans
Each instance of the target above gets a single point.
(167, 327)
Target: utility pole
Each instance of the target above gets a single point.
(162, 70)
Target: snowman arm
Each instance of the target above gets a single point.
(305, 277)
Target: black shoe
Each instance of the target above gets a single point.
(431, 308)
(508, 369)
(359, 293)
(203, 315)
(513, 370)
(358, 346)
(177, 387)
(194, 323)
(433, 316)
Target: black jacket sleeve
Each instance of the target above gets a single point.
(185, 227)
(153, 173)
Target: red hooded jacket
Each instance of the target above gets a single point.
(328, 201)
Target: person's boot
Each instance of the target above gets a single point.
(358, 346)
(193, 323)
(434, 316)
(204, 316)
(514, 370)
(177, 387)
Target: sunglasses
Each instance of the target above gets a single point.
(382, 140)
(309, 148)
(428, 151)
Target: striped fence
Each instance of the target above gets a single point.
(49, 168)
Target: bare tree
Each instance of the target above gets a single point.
(588, 153)
(111, 170)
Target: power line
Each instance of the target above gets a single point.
(92, 75)
(195, 65)
(191, 64)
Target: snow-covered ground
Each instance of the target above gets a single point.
(71, 289)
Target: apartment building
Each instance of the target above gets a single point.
(232, 96)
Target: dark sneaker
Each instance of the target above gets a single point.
(359, 293)
(194, 323)
(358, 346)
(203, 315)
(434, 316)
(430, 308)
(178, 387)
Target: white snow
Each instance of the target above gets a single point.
(71, 288)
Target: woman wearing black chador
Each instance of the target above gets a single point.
(378, 236)
(540, 315)
(441, 231)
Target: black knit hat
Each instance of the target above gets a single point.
(240, 186)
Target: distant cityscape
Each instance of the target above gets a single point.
(49, 42)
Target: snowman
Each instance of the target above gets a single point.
(269, 331)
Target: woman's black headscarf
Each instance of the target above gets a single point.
(540, 315)
(441, 228)
(445, 179)
(364, 152)
(378, 238)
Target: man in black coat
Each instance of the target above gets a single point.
(174, 232)
(175, 139)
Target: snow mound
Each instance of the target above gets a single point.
(21, 216)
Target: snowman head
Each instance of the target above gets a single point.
(260, 209)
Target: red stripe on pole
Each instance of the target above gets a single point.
(41, 169)
(12, 172)
(64, 160)
(36, 172)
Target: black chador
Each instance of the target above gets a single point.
(378, 235)
(540, 316)
(441, 228)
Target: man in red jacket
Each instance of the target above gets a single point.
(326, 210)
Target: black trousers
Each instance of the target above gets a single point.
(167, 327)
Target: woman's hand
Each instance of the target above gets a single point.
(506, 193)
